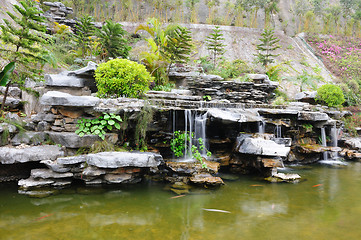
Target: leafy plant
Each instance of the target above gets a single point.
(144, 118)
(307, 126)
(98, 126)
(166, 88)
(122, 77)
(207, 98)
(266, 48)
(215, 44)
(330, 94)
(84, 30)
(231, 69)
(112, 41)
(5, 73)
(24, 41)
(178, 146)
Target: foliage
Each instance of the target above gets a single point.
(330, 94)
(266, 48)
(231, 70)
(84, 30)
(352, 123)
(144, 118)
(6, 72)
(112, 40)
(179, 45)
(280, 100)
(215, 44)
(274, 73)
(98, 126)
(24, 41)
(207, 98)
(122, 77)
(306, 79)
(178, 146)
(166, 88)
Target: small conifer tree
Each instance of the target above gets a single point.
(215, 44)
(24, 39)
(84, 30)
(267, 47)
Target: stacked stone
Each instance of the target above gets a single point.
(58, 13)
(13, 99)
(259, 91)
(93, 169)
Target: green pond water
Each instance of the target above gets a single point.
(327, 205)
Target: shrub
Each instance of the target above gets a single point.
(330, 94)
(122, 77)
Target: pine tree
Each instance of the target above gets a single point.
(112, 40)
(179, 45)
(266, 48)
(215, 44)
(24, 39)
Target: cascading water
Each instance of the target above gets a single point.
(261, 127)
(324, 143)
(194, 123)
(278, 131)
(334, 138)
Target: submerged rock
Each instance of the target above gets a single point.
(284, 177)
(206, 179)
(121, 178)
(34, 183)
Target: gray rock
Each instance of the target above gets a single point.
(234, 115)
(71, 160)
(9, 155)
(121, 178)
(312, 116)
(96, 181)
(43, 126)
(8, 127)
(306, 96)
(10, 102)
(123, 159)
(354, 143)
(260, 146)
(87, 71)
(48, 174)
(271, 111)
(212, 78)
(14, 92)
(55, 166)
(258, 77)
(72, 140)
(93, 172)
(62, 80)
(28, 138)
(34, 183)
(60, 183)
(55, 98)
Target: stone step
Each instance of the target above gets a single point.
(171, 96)
(56, 98)
(63, 80)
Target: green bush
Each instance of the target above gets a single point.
(122, 77)
(330, 94)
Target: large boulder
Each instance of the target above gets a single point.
(312, 116)
(9, 155)
(259, 146)
(62, 80)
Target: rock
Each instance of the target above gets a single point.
(71, 113)
(123, 159)
(10, 102)
(272, 162)
(28, 138)
(206, 179)
(72, 140)
(353, 143)
(306, 96)
(7, 127)
(71, 160)
(43, 126)
(48, 174)
(121, 178)
(61, 183)
(212, 78)
(312, 116)
(14, 92)
(55, 98)
(234, 115)
(9, 155)
(284, 177)
(34, 183)
(38, 193)
(260, 146)
(311, 148)
(281, 112)
(96, 181)
(189, 168)
(54, 166)
(87, 71)
(62, 80)
(93, 172)
(283, 141)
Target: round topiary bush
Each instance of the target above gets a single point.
(122, 77)
(330, 94)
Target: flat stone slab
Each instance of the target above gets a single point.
(234, 115)
(119, 178)
(9, 155)
(72, 140)
(261, 147)
(31, 182)
(55, 98)
(48, 174)
(354, 143)
(312, 116)
(123, 159)
(29, 138)
(54, 166)
(62, 80)
(206, 179)
(71, 160)
(286, 111)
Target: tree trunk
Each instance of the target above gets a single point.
(5, 96)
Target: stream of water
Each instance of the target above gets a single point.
(327, 205)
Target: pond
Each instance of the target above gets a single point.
(326, 205)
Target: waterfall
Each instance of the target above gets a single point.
(196, 124)
(334, 138)
(278, 131)
(261, 127)
(324, 143)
